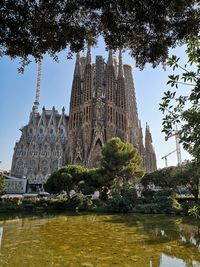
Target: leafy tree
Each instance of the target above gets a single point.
(121, 162)
(172, 178)
(189, 176)
(184, 110)
(2, 185)
(164, 178)
(65, 179)
(147, 28)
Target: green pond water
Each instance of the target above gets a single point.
(100, 240)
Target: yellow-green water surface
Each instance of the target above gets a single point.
(100, 240)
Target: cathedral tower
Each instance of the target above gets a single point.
(103, 105)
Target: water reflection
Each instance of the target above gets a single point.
(166, 261)
(1, 234)
(100, 240)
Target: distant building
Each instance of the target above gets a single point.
(14, 185)
(41, 148)
(103, 104)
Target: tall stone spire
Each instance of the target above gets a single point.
(151, 164)
(77, 65)
(88, 58)
(120, 68)
(37, 95)
(148, 138)
(75, 93)
(110, 58)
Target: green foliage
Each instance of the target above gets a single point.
(164, 178)
(122, 204)
(121, 162)
(147, 208)
(161, 205)
(2, 185)
(65, 179)
(81, 202)
(184, 110)
(172, 178)
(195, 212)
(146, 28)
(188, 176)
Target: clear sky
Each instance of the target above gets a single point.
(18, 91)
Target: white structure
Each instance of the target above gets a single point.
(15, 185)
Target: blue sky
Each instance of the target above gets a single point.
(18, 92)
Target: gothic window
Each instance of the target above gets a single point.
(111, 112)
(32, 166)
(77, 119)
(40, 135)
(116, 118)
(52, 138)
(87, 114)
(30, 130)
(44, 166)
(80, 122)
(19, 167)
(55, 165)
(74, 121)
(51, 131)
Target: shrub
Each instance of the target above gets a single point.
(147, 193)
(81, 202)
(194, 211)
(147, 208)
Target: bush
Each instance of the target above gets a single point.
(123, 203)
(186, 206)
(194, 211)
(147, 193)
(147, 208)
(119, 204)
(160, 205)
(81, 202)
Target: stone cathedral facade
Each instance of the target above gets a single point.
(102, 105)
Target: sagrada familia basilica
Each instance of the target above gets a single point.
(103, 104)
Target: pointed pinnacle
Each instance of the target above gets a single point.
(120, 68)
(110, 58)
(88, 58)
(77, 65)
